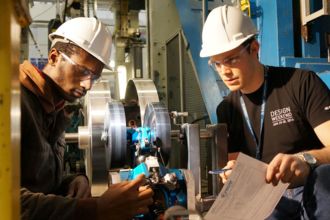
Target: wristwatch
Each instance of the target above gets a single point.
(308, 158)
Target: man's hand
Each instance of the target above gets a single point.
(79, 188)
(289, 169)
(125, 200)
(225, 175)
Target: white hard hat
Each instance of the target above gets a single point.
(89, 34)
(225, 28)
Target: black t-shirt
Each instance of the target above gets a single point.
(297, 101)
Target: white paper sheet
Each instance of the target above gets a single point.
(246, 195)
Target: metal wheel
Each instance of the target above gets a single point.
(95, 104)
(157, 118)
(115, 135)
(141, 92)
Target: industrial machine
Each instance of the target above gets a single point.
(122, 139)
(148, 149)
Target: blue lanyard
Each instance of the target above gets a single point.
(262, 116)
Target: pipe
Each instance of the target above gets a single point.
(203, 134)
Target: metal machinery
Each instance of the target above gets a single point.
(123, 139)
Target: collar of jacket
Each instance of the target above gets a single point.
(35, 80)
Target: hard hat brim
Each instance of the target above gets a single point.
(208, 52)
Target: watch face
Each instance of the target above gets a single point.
(310, 158)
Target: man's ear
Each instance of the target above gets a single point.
(53, 56)
(254, 48)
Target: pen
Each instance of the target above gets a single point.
(215, 172)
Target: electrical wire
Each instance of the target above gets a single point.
(43, 12)
(35, 42)
(205, 117)
(65, 8)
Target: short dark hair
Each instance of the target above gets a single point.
(248, 42)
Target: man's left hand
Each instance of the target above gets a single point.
(287, 168)
(79, 188)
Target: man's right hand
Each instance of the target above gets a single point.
(225, 175)
(125, 200)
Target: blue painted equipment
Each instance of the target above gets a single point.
(144, 147)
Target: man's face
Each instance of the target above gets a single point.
(236, 67)
(75, 74)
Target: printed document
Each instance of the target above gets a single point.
(246, 195)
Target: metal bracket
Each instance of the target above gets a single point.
(307, 16)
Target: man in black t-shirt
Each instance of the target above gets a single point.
(278, 115)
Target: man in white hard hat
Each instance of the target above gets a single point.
(278, 115)
(80, 50)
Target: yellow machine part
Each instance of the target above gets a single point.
(246, 7)
(10, 23)
(7, 185)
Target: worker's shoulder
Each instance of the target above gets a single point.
(290, 71)
(27, 97)
(290, 76)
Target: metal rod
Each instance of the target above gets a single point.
(203, 134)
(182, 106)
(205, 8)
(71, 137)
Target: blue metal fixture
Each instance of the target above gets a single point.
(169, 185)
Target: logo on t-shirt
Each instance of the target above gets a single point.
(281, 116)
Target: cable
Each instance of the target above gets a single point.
(64, 12)
(35, 42)
(205, 117)
(42, 12)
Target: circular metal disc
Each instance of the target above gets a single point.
(157, 118)
(95, 104)
(141, 92)
(115, 128)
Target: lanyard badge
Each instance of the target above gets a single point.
(262, 116)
